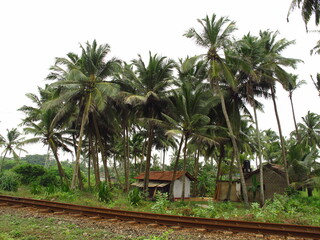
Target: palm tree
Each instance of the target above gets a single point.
(189, 108)
(317, 82)
(272, 69)
(310, 130)
(83, 82)
(215, 36)
(150, 83)
(51, 135)
(290, 86)
(308, 8)
(12, 143)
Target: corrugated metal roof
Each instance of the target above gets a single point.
(165, 175)
(151, 184)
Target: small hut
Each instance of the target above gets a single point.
(274, 181)
(161, 181)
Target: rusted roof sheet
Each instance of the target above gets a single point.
(165, 175)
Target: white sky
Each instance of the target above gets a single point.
(34, 32)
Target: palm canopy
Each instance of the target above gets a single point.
(308, 9)
(215, 36)
(310, 129)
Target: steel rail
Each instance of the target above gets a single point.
(171, 220)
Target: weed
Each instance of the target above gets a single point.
(162, 203)
(104, 193)
(134, 197)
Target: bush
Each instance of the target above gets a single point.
(49, 178)
(29, 172)
(135, 197)
(162, 203)
(9, 181)
(104, 193)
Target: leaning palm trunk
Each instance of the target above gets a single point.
(235, 148)
(196, 171)
(63, 177)
(259, 154)
(284, 157)
(175, 169)
(76, 179)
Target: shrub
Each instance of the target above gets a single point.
(35, 188)
(29, 172)
(9, 181)
(49, 178)
(135, 196)
(104, 193)
(162, 203)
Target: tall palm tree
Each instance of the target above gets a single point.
(83, 81)
(51, 135)
(308, 9)
(291, 86)
(310, 130)
(316, 82)
(150, 83)
(189, 108)
(12, 143)
(273, 71)
(216, 36)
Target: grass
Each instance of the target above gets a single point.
(295, 210)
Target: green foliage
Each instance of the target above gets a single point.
(36, 159)
(104, 193)
(35, 188)
(29, 172)
(161, 204)
(9, 181)
(135, 197)
(50, 177)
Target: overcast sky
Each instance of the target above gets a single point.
(34, 32)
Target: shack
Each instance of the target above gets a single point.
(161, 181)
(274, 181)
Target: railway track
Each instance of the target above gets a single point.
(209, 224)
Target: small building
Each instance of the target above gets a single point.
(161, 181)
(274, 181)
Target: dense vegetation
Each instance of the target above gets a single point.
(112, 116)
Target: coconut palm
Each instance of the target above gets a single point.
(150, 83)
(273, 71)
(83, 82)
(310, 130)
(317, 82)
(308, 9)
(216, 36)
(12, 143)
(291, 86)
(189, 108)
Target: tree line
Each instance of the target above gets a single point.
(115, 113)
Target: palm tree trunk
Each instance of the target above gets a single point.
(230, 179)
(127, 159)
(235, 148)
(294, 118)
(163, 159)
(196, 172)
(89, 168)
(143, 153)
(116, 171)
(125, 162)
(284, 157)
(103, 151)
(259, 154)
(184, 167)
(147, 169)
(76, 179)
(221, 157)
(175, 169)
(60, 169)
(2, 162)
(95, 163)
